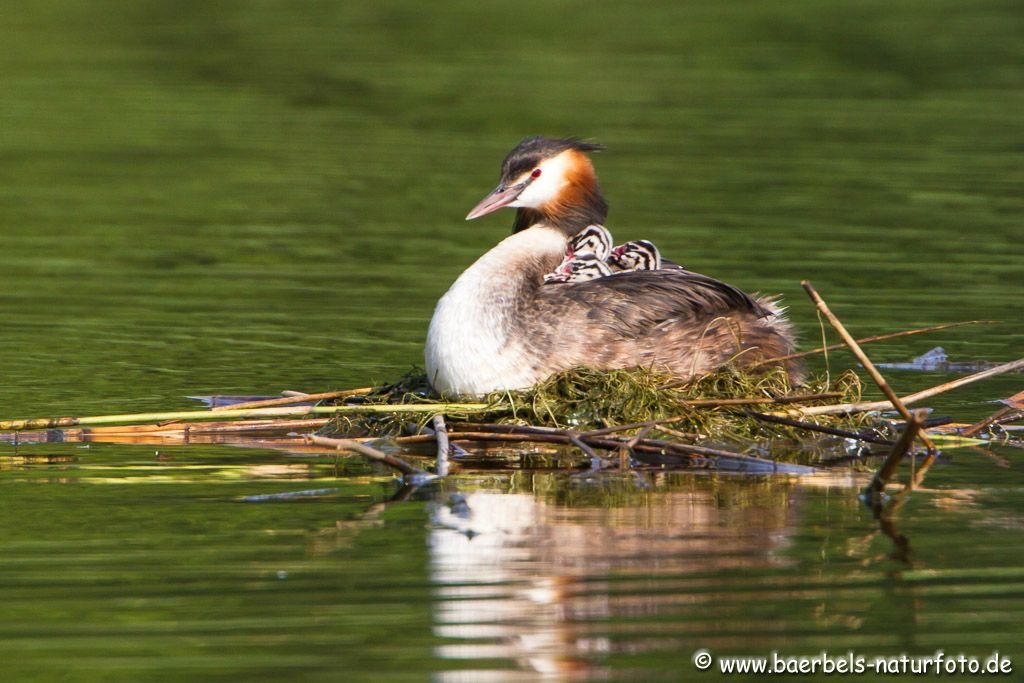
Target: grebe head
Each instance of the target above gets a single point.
(549, 181)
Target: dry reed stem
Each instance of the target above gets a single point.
(595, 459)
(1013, 405)
(863, 358)
(759, 400)
(281, 411)
(865, 406)
(210, 427)
(988, 421)
(868, 340)
(640, 425)
(810, 426)
(301, 398)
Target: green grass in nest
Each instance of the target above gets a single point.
(583, 398)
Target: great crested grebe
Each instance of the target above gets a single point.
(501, 327)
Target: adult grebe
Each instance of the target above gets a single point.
(500, 326)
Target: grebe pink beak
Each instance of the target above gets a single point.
(501, 196)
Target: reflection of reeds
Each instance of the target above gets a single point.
(898, 452)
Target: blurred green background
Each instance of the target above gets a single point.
(208, 196)
(203, 197)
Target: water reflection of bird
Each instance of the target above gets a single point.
(499, 326)
(557, 588)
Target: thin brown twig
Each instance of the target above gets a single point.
(641, 425)
(866, 406)
(628, 447)
(680, 435)
(810, 426)
(366, 451)
(1015, 401)
(288, 400)
(650, 447)
(868, 340)
(595, 459)
(863, 358)
(994, 418)
(760, 400)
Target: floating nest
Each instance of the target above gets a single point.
(584, 399)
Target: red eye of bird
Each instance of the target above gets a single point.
(536, 173)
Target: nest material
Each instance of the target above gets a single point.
(582, 399)
(585, 399)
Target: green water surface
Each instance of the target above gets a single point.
(244, 197)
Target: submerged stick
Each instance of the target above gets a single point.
(281, 411)
(650, 447)
(595, 459)
(863, 358)
(810, 426)
(659, 424)
(300, 398)
(868, 340)
(866, 406)
(441, 434)
(367, 451)
(899, 450)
